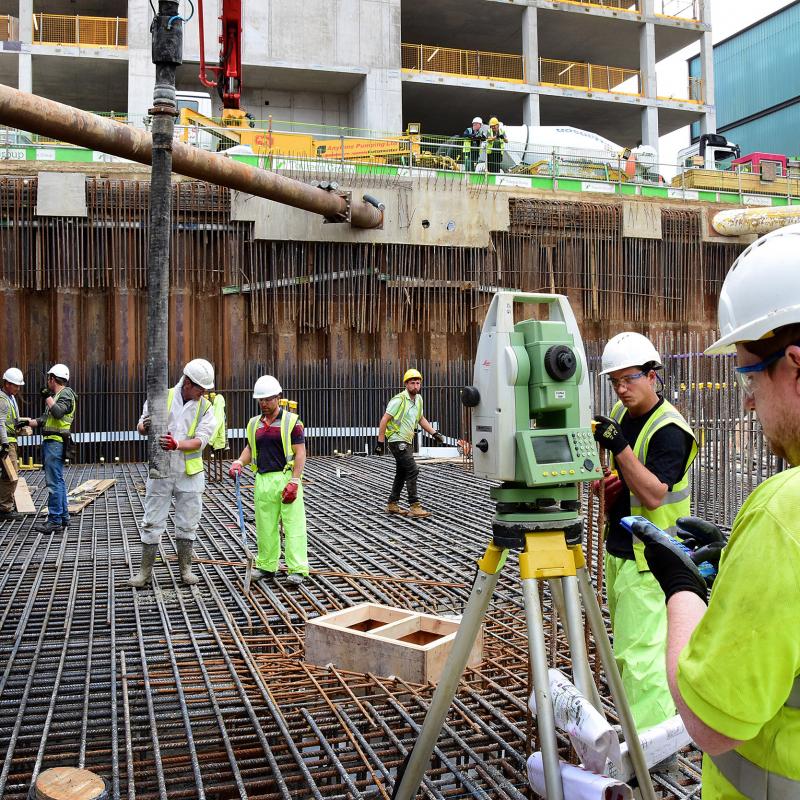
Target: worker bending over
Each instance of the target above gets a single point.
(651, 448)
(276, 452)
(190, 424)
(403, 414)
(733, 666)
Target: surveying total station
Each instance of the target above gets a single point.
(531, 430)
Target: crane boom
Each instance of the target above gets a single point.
(228, 72)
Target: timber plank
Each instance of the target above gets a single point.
(87, 493)
(22, 498)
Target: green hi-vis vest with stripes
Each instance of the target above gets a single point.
(676, 502)
(54, 429)
(11, 417)
(193, 459)
(393, 425)
(288, 421)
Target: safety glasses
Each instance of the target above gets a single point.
(626, 379)
(745, 376)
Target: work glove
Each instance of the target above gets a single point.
(612, 486)
(4, 448)
(289, 494)
(670, 564)
(168, 442)
(380, 448)
(45, 392)
(607, 434)
(439, 437)
(236, 469)
(22, 422)
(146, 422)
(704, 538)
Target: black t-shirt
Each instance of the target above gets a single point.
(667, 455)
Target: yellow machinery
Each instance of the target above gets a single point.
(235, 129)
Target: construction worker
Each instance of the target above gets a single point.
(496, 141)
(403, 414)
(276, 452)
(190, 425)
(9, 417)
(651, 448)
(218, 443)
(733, 666)
(55, 424)
(474, 137)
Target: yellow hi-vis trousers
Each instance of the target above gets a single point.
(639, 622)
(269, 512)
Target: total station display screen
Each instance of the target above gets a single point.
(551, 449)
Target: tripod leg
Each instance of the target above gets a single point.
(597, 625)
(408, 780)
(581, 673)
(541, 686)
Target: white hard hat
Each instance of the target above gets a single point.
(266, 386)
(200, 371)
(478, 120)
(628, 349)
(59, 371)
(761, 291)
(14, 375)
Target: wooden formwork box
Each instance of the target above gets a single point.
(385, 641)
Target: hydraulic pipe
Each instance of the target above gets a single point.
(65, 123)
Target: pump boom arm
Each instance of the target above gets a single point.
(228, 73)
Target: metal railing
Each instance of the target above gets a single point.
(680, 9)
(66, 29)
(696, 93)
(617, 5)
(463, 63)
(589, 77)
(8, 28)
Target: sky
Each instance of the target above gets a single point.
(727, 17)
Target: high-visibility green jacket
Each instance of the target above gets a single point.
(193, 459)
(12, 412)
(676, 502)
(54, 429)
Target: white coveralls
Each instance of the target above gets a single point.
(186, 489)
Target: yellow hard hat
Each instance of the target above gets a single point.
(494, 121)
(412, 373)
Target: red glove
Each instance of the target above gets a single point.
(613, 488)
(236, 469)
(289, 493)
(168, 442)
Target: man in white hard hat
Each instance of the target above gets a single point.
(733, 666)
(276, 452)
(651, 447)
(9, 419)
(190, 424)
(474, 137)
(55, 423)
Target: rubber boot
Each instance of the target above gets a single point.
(418, 511)
(185, 562)
(149, 552)
(394, 508)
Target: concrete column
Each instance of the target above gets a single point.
(141, 71)
(25, 73)
(708, 123)
(530, 53)
(376, 104)
(649, 86)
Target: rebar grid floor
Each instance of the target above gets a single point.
(176, 692)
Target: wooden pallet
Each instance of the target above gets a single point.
(22, 498)
(86, 493)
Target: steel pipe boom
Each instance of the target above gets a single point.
(54, 120)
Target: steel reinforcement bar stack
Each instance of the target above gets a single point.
(174, 692)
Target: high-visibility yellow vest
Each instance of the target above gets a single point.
(55, 429)
(393, 426)
(12, 412)
(677, 501)
(193, 459)
(501, 143)
(288, 421)
(219, 441)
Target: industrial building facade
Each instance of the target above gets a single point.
(758, 86)
(379, 64)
